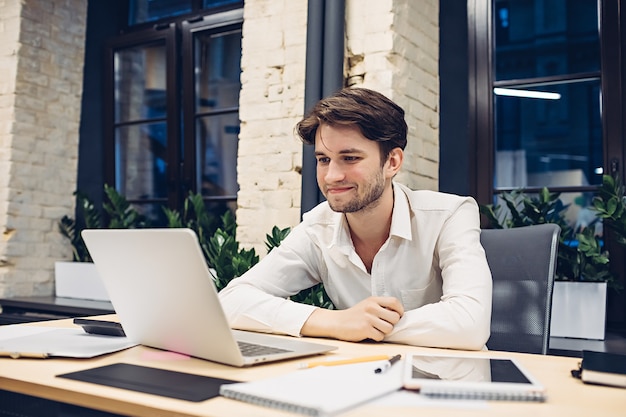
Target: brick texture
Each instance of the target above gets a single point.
(391, 46)
(41, 64)
(271, 103)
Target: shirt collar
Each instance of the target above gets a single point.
(401, 216)
(341, 236)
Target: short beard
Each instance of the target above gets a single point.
(368, 201)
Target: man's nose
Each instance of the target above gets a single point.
(334, 172)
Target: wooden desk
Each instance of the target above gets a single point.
(566, 396)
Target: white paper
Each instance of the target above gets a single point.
(32, 341)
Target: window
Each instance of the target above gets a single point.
(545, 120)
(546, 103)
(546, 95)
(173, 115)
(212, 112)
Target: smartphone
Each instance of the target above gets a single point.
(102, 327)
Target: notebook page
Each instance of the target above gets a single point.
(320, 391)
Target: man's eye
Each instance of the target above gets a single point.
(351, 158)
(323, 160)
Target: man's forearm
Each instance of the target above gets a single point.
(319, 324)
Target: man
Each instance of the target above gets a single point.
(399, 265)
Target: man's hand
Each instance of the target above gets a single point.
(372, 318)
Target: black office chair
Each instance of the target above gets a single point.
(523, 263)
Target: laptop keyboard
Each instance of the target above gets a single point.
(251, 349)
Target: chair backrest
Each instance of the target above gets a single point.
(523, 263)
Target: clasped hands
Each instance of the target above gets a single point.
(372, 318)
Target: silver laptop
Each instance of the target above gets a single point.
(162, 291)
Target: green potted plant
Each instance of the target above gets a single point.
(217, 238)
(582, 273)
(79, 278)
(610, 206)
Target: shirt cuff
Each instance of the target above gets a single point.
(291, 316)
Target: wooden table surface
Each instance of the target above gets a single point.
(567, 396)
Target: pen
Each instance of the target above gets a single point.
(344, 361)
(387, 364)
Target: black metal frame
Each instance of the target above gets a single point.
(177, 36)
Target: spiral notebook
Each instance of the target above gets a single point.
(321, 391)
(471, 377)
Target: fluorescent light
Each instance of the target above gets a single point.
(526, 93)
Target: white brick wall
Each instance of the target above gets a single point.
(271, 103)
(391, 46)
(395, 45)
(41, 73)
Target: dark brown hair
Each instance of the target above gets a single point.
(378, 118)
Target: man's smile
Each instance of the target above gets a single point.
(338, 190)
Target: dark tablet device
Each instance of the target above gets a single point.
(471, 377)
(103, 327)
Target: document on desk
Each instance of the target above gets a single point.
(19, 341)
(320, 391)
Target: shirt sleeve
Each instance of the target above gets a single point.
(259, 299)
(462, 317)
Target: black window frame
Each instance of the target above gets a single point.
(177, 35)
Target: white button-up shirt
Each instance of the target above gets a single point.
(432, 262)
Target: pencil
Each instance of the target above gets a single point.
(344, 361)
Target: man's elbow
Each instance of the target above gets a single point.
(474, 324)
(473, 334)
(475, 339)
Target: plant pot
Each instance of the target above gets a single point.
(79, 280)
(578, 310)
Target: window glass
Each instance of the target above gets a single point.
(140, 124)
(539, 38)
(553, 140)
(216, 150)
(141, 161)
(217, 60)
(140, 83)
(156, 163)
(207, 4)
(141, 11)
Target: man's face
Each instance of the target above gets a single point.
(349, 171)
